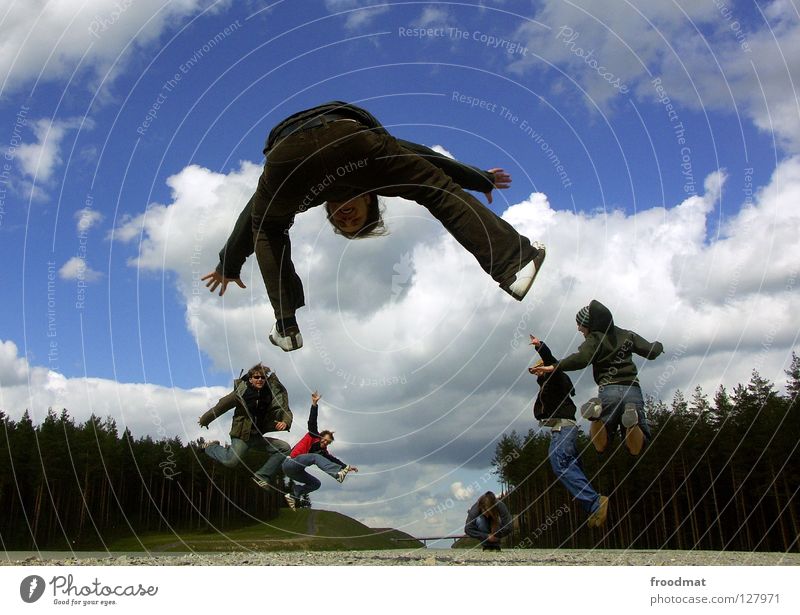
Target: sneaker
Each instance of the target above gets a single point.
(599, 516)
(630, 416)
(342, 474)
(265, 484)
(290, 340)
(291, 501)
(206, 443)
(524, 278)
(592, 409)
(304, 502)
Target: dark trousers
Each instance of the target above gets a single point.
(342, 160)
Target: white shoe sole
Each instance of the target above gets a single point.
(287, 343)
(630, 416)
(527, 275)
(592, 409)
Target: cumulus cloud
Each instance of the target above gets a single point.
(77, 269)
(424, 351)
(39, 159)
(13, 368)
(48, 40)
(706, 54)
(460, 492)
(380, 495)
(146, 409)
(427, 379)
(87, 218)
(360, 13)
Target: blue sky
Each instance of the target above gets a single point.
(653, 147)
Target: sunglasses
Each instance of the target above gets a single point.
(257, 377)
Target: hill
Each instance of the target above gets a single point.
(304, 530)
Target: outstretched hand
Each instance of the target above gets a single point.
(502, 181)
(535, 342)
(216, 279)
(315, 397)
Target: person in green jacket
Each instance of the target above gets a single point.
(609, 350)
(339, 154)
(261, 405)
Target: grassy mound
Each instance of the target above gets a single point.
(313, 530)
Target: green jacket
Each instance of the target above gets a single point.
(243, 423)
(609, 350)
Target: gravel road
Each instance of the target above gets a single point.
(413, 557)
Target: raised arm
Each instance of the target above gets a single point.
(313, 428)
(543, 350)
(644, 348)
(465, 175)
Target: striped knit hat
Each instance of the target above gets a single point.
(582, 317)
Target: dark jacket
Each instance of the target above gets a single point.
(555, 391)
(609, 350)
(254, 419)
(309, 443)
(471, 526)
(240, 242)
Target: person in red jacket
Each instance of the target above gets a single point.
(312, 450)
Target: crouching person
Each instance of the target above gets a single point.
(488, 520)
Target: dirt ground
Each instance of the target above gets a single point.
(414, 557)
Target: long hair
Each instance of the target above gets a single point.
(373, 227)
(487, 506)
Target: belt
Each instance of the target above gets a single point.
(557, 424)
(314, 122)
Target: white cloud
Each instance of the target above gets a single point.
(425, 380)
(76, 269)
(40, 39)
(460, 492)
(86, 218)
(432, 15)
(146, 409)
(708, 55)
(38, 160)
(360, 13)
(13, 369)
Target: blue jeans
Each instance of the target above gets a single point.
(613, 398)
(566, 464)
(305, 483)
(231, 456)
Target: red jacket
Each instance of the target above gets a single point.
(309, 443)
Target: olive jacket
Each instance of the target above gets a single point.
(247, 421)
(609, 349)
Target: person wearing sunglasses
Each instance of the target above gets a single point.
(261, 405)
